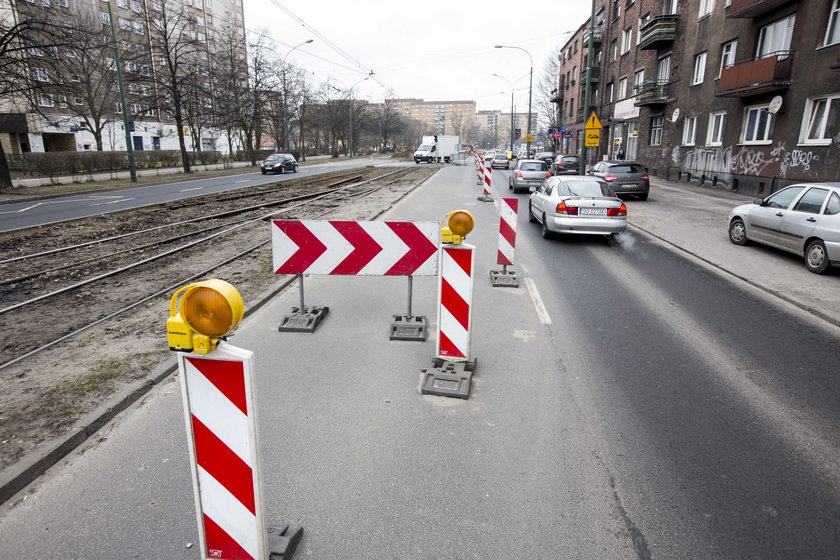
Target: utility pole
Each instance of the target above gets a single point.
(129, 145)
(588, 87)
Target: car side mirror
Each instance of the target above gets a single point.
(532, 189)
(759, 201)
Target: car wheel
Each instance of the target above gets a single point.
(531, 217)
(282, 170)
(294, 168)
(643, 196)
(546, 234)
(738, 232)
(510, 186)
(263, 172)
(816, 258)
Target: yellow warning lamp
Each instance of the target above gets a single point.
(209, 310)
(455, 226)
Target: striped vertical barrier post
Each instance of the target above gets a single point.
(479, 169)
(218, 396)
(452, 369)
(507, 245)
(488, 180)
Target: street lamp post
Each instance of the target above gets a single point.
(350, 137)
(285, 106)
(129, 146)
(530, 91)
(588, 89)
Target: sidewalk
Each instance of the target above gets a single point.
(693, 220)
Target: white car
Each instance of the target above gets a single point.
(577, 204)
(803, 219)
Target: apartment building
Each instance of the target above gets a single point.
(151, 127)
(437, 117)
(739, 93)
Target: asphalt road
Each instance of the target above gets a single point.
(653, 409)
(19, 215)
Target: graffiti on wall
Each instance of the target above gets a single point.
(747, 160)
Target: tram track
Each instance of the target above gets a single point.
(93, 297)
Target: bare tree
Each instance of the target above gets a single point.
(173, 32)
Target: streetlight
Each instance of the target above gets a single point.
(511, 109)
(350, 139)
(530, 91)
(285, 111)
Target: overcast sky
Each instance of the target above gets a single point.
(430, 49)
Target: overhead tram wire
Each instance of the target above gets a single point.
(361, 67)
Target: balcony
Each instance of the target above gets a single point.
(595, 77)
(557, 96)
(652, 92)
(756, 76)
(659, 31)
(752, 8)
(597, 36)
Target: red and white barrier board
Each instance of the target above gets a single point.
(507, 230)
(355, 248)
(488, 180)
(219, 408)
(455, 301)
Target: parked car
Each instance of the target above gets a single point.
(565, 165)
(625, 177)
(488, 156)
(577, 204)
(528, 173)
(500, 160)
(547, 157)
(803, 219)
(279, 163)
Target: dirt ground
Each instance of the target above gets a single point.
(49, 394)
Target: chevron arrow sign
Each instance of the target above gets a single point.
(355, 248)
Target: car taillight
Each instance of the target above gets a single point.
(620, 211)
(610, 178)
(519, 174)
(568, 210)
(644, 176)
(547, 175)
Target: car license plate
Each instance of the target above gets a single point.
(592, 211)
(629, 186)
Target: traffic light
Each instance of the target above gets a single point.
(518, 132)
(209, 310)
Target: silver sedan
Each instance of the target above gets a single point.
(528, 173)
(803, 219)
(577, 204)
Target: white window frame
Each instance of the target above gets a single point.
(638, 79)
(124, 23)
(657, 127)
(105, 18)
(832, 30)
(139, 28)
(610, 88)
(40, 74)
(622, 87)
(78, 101)
(46, 100)
(727, 55)
(809, 116)
(626, 40)
(699, 68)
(689, 131)
(122, 3)
(775, 37)
(706, 8)
(64, 3)
(760, 137)
(714, 133)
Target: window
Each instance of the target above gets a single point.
(622, 88)
(638, 79)
(122, 3)
(812, 201)
(642, 21)
(832, 31)
(821, 121)
(706, 8)
(727, 55)
(78, 101)
(135, 6)
(613, 50)
(45, 3)
(75, 78)
(656, 126)
(40, 75)
(157, 6)
(714, 136)
(609, 93)
(699, 68)
(689, 131)
(45, 100)
(105, 18)
(784, 197)
(125, 25)
(138, 27)
(62, 101)
(775, 37)
(670, 7)
(626, 40)
(833, 206)
(64, 3)
(118, 107)
(663, 69)
(758, 125)
(616, 9)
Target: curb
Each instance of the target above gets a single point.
(19, 475)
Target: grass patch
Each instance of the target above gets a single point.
(93, 381)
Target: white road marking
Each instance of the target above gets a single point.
(111, 202)
(192, 189)
(244, 181)
(538, 302)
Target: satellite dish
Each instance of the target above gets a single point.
(775, 105)
(676, 116)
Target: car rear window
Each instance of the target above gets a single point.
(534, 166)
(570, 160)
(587, 188)
(500, 156)
(626, 169)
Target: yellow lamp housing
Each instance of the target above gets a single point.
(209, 310)
(457, 225)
